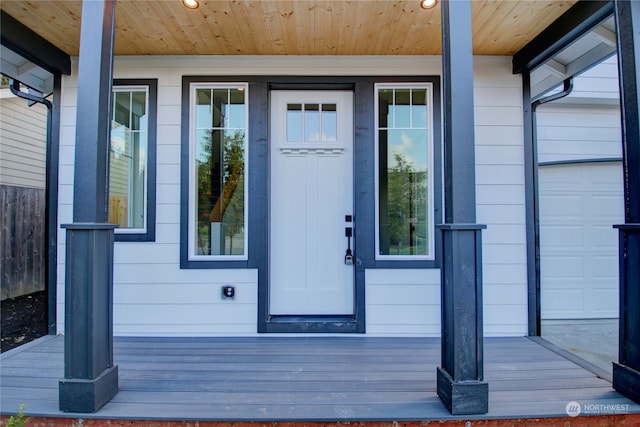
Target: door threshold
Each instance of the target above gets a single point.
(285, 318)
(313, 324)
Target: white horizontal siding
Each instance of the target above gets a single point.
(403, 302)
(570, 132)
(162, 299)
(598, 84)
(585, 124)
(153, 296)
(23, 132)
(500, 196)
(189, 305)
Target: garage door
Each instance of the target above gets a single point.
(579, 204)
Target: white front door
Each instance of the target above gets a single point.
(311, 195)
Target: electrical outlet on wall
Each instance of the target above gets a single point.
(228, 292)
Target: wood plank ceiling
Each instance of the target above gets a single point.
(290, 27)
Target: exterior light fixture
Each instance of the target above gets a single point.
(191, 4)
(428, 4)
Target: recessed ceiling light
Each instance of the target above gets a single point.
(428, 4)
(191, 4)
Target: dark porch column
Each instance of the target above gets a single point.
(626, 373)
(460, 378)
(91, 379)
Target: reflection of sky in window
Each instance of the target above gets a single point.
(320, 123)
(234, 116)
(294, 123)
(203, 116)
(329, 123)
(117, 138)
(233, 113)
(410, 144)
(419, 116)
(119, 145)
(403, 116)
(142, 151)
(143, 142)
(408, 116)
(311, 123)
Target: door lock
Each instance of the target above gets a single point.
(348, 257)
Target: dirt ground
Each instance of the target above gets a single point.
(23, 319)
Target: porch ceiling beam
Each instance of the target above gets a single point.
(31, 46)
(606, 36)
(555, 68)
(582, 17)
(26, 68)
(44, 85)
(460, 383)
(544, 85)
(590, 58)
(558, 72)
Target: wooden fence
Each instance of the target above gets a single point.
(22, 241)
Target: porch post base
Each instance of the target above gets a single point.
(90, 376)
(463, 397)
(87, 396)
(626, 381)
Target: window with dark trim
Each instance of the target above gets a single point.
(132, 160)
(217, 172)
(256, 173)
(404, 177)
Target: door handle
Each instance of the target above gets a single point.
(348, 257)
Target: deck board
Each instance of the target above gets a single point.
(301, 379)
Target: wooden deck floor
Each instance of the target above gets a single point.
(303, 379)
